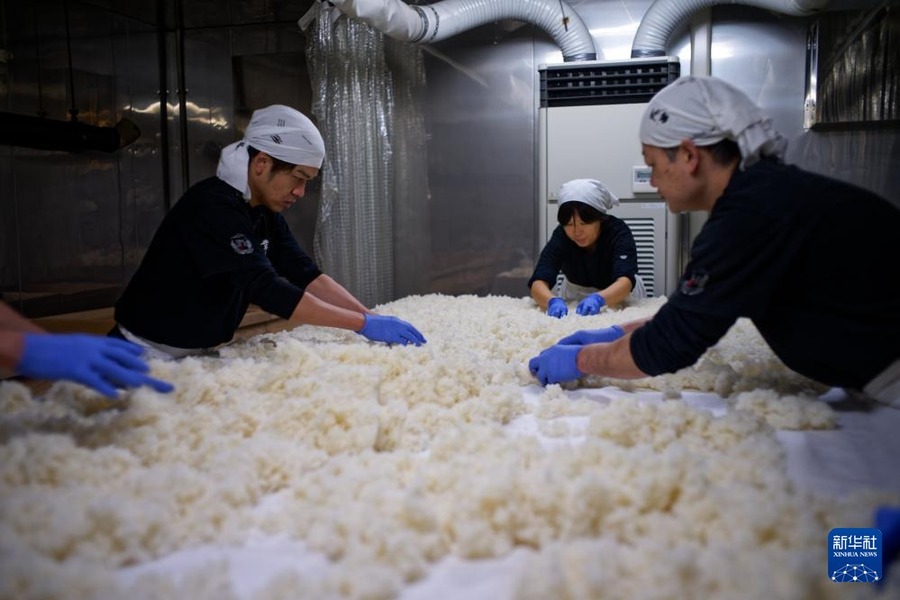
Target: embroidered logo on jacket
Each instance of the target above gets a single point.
(265, 246)
(695, 284)
(241, 244)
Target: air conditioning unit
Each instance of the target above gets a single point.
(588, 123)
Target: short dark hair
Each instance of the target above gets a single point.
(723, 153)
(588, 213)
(277, 163)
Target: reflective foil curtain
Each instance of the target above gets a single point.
(352, 106)
(372, 152)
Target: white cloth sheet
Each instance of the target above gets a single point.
(861, 453)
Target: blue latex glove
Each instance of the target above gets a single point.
(391, 330)
(590, 305)
(593, 336)
(556, 364)
(887, 519)
(102, 363)
(557, 308)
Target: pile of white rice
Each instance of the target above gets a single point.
(388, 459)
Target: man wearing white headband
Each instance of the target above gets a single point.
(809, 259)
(595, 252)
(226, 245)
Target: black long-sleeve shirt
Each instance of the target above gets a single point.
(812, 261)
(211, 257)
(614, 256)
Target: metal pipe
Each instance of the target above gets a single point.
(163, 93)
(182, 96)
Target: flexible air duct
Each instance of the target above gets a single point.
(433, 22)
(664, 16)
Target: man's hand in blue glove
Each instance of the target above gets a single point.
(390, 330)
(593, 336)
(102, 363)
(556, 364)
(557, 308)
(590, 305)
(887, 519)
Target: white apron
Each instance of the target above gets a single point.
(571, 292)
(153, 350)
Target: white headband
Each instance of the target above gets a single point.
(590, 192)
(707, 110)
(281, 132)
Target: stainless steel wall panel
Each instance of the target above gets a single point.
(141, 185)
(70, 210)
(209, 99)
(480, 121)
(765, 56)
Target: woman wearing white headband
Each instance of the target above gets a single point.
(225, 245)
(807, 258)
(594, 251)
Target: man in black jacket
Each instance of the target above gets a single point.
(225, 245)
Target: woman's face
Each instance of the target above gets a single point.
(583, 234)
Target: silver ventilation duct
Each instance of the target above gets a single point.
(664, 16)
(441, 20)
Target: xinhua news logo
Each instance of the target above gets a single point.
(854, 555)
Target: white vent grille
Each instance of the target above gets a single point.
(644, 231)
(652, 226)
(606, 82)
